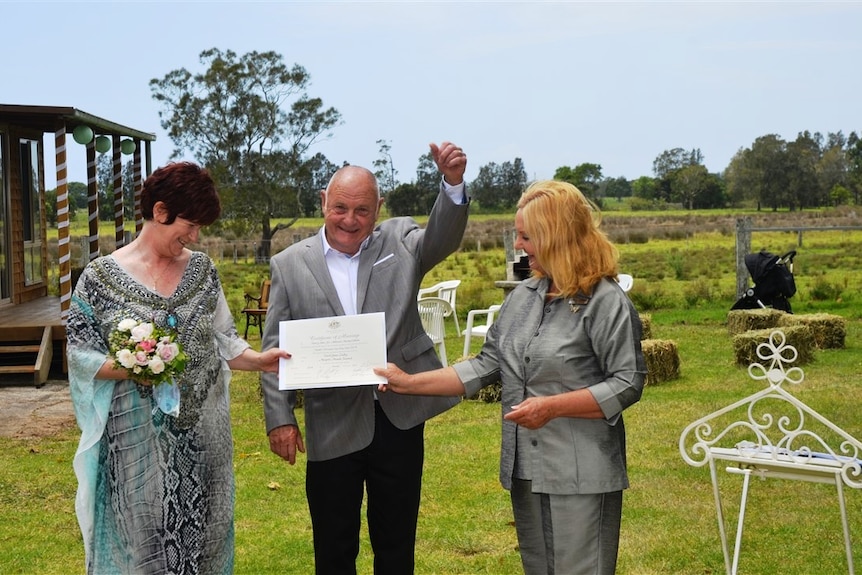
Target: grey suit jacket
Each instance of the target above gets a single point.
(339, 421)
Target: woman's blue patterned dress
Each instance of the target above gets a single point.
(156, 492)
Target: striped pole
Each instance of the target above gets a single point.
(63, 252)
(92, 200)
(119, 238)
(139, 186)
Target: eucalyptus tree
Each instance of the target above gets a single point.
(668, 164)
(404, 200)
(105, 185)
(803, 186)
(314, 177)
(688, 184)
(741, 180)
(417, 197)
(384, 168)
(586, 177)
(645, 188)
(618, 188)
(483, 188)
(251, 122)
(854, 165)
(513, 182)
(833, 169)
(769, 161)
(499, 186)
(427, 183)
(672, 160)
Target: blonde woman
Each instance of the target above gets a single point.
(567, 349)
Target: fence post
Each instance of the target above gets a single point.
(509, 244)
(743, 246)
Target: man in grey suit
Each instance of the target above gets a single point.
(358, 440)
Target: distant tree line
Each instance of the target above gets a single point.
(250, 120)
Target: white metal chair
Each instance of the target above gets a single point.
(473, 330)
(432, 312)
(445, 290)
(626, 281)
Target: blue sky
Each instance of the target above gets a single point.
(553, 83)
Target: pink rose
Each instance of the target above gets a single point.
(141, 358)
(167, 351)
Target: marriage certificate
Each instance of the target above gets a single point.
(338, 351)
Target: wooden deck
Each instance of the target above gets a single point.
(40, 312)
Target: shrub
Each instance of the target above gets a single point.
(697, 291)
(823, 290)
(676, 261)
(646, 299)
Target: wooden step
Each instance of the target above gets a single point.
(43, 348)
(17, 369)
(19, 349)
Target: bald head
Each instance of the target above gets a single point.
(351, 203)
(353, 177)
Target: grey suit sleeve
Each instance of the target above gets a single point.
(278, 406)
(444, 231)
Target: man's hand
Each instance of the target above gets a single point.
(284, 441)
(451, 161)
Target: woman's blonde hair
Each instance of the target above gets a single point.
(563, 225)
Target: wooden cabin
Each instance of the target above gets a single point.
(32, 311)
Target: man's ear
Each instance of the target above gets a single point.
(322, 200)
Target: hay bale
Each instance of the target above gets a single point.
(490, 393)
(662, 360)
(646, 322)
(799, 336)
(742, 320)
(829, 331)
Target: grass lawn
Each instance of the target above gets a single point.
(669, 520)
(669, 523)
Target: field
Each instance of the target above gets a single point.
(684, 279)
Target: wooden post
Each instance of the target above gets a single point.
(119, 237)
(92, 201)
(63, 252)
(743, 247)
(509, 244)
(139, 185)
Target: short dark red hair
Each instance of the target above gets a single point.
(186, 189)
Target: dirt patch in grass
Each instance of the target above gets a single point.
(31, 412)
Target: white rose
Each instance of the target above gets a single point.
(126, 325)
(156, 365)
(126, 358)
(142, 331)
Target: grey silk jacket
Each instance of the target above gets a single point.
(539, 348)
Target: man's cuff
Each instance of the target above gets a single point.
(455, 193)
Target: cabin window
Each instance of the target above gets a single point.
(31, 204)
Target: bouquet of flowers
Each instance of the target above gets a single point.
(151, 354)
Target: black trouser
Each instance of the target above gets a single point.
(391, 471)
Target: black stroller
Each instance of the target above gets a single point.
(773, 282)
